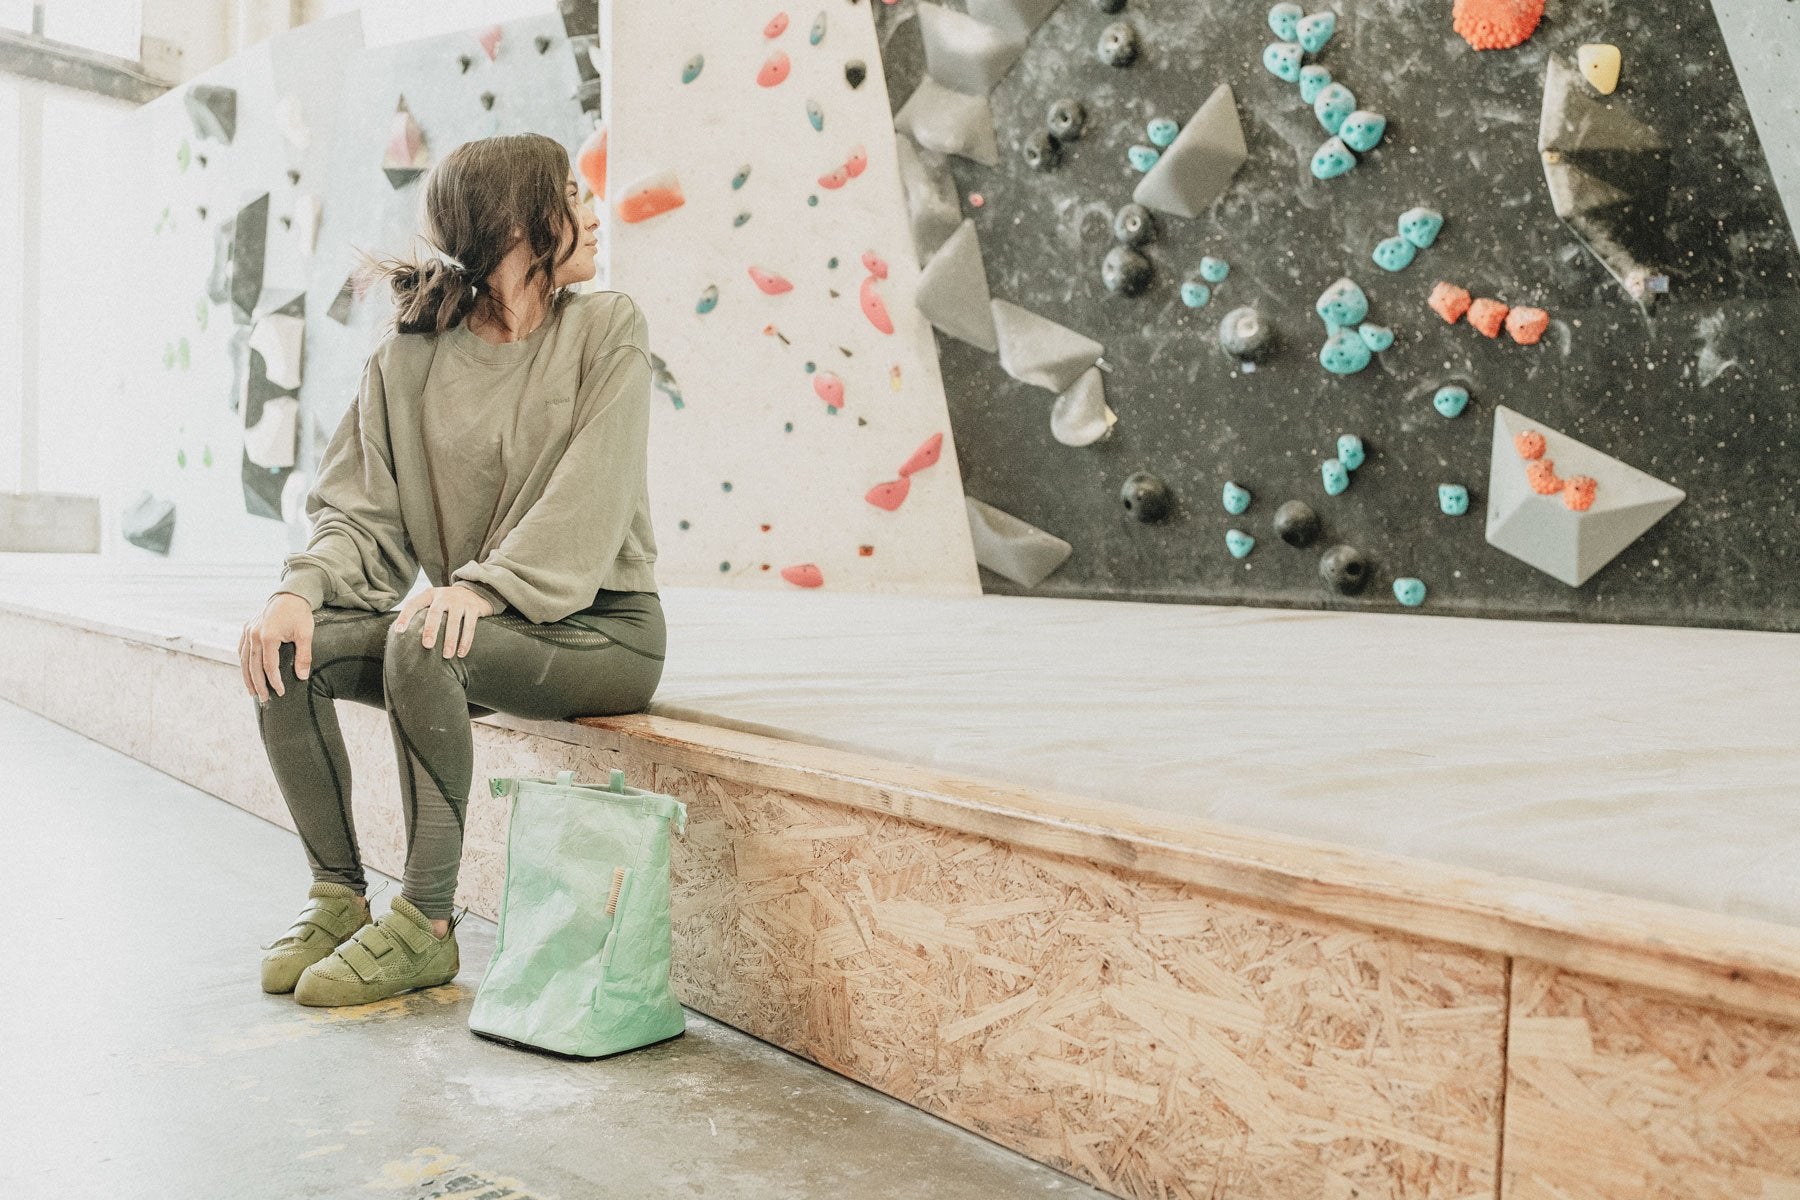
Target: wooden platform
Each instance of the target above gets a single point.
(1158, 1004)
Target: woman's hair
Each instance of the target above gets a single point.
(474, 198)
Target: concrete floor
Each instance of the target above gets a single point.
(140, 1058)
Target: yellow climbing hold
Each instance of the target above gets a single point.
(1600, 63)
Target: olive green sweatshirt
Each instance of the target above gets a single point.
(515, 470)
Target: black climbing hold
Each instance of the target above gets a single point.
(855, 72)
(201, 159)
(1134, 225)
(487, 100)
(287, 222)
(1110, 6)
(1246, 334)
(542, 43)
(1041, 151)
(1296, 523)
(1125, 271)
(1146, 497)
(1118, 44)
(293, 175)
(1066, 120)
(201, 209)
(465, 61)
(1345, 569)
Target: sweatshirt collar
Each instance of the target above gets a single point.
(479, 348)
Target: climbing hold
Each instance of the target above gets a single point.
(1345, 569)
(855, 71)
(1341, 305)
(1282, 60)
(1333, 103)
(1066, 119)
(1146, 497)
(888, 495)
(406, 155)
(1449, 301)
(1376, 337)
(690, 70)
(804, 575)
(542, 43)
(1332, 159)
(1530, 444)
(1200, 163)
(465, 62)
(1578, 492)
(1134, 225)
(1296, 523)
(1409, 591)
(709, 299)
(590, 161)
(1450, 400)
(1541, 475)
(873, 307)
(490, 40)
(1344, 353)
(1315, 30)
(1350, 451)
(738, 180)
(829, 388)
(816, 34)
(774, 69)
(1453, 499)
(1496, 24)
(1487, 316)
(1239, 543)
(1162, 131)
(1236, 499)
(1527, 324)
(1041, 151)
(1420, 226)
(769, 282)
(925, 456)
(858, 161)
(739, 219)
(1284, 19)
(1109, 6)
(1143, 157)
(874, 264)
(1335, 475)
(1214, 270)
(1125, 271)
(834, 180)
(487, 101)
(1194, 294)
(1245, 334)
(1118, 44)
(815, 115)
(777, 25)
(1599, 62)
(1313, 79)
(1394, 253)
(1362, 130)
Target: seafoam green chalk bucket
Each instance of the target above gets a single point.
(567, 974)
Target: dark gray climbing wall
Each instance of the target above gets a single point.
(1697, 387)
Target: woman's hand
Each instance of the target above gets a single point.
(462, 606)
(285, 618)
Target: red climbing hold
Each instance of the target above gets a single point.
(835, 179)
(859, 158)
(1449, 302)
(1529, 444)
(771, 283)
(804, 575)
(490, 40)
(776, 27)
(888, 495)
(1496, 24)
(1487, 315)
(925, 456)
(874, 264)
(1578, 492)
(650, 197)
(872, 306)
(590, 160)
(774, 70)
(1541, 475)
(1526, 324)
(830, 388)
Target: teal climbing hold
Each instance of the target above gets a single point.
(1409, 591)
(1214, 270)
(1350, 451)
(1333, 103)
(816, 34)
(709, 299)
(1239, 543)
(1282, 60)
(690, 70)
(1453, 499)
(1343, 303)
(815, 114)
(1420, 226)
(743, 173)
(1284, 19)
(1236, 499)
(1394, 253)
(1314, 31)
(1376, 337)
(1162, 131)
(1450, 400)
(1195, 294)
(1335, 475)
(1143, 157)
(1313, 79)
(1332, 159)
(1344, 353)
(1362, 130)
(740, 219)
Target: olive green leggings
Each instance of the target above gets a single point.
(602, 661)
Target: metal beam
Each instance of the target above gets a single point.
(77, 67)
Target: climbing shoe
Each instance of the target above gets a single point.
(332, 914)
(396, 954)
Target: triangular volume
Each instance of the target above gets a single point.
(953, 292)
(1196, 169)
(1015, 548)
(1037, 350)
(1541, 529)
(406, 156)
(1017, 16)
(213, 110)
(949, 122)
(964, 53)
(1573, 121)
(1573, 191)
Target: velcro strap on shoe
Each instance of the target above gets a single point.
(419, 941)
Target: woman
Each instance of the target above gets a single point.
(498, 441)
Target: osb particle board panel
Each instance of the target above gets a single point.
(1129, 1031)
(1617, 1096)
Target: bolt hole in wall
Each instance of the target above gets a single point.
(1418, 251)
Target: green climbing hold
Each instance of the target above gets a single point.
(1332, 159)
(1344, 353)
(1236, 499)
(1409, 591)
(709, 299)
(1343, 304)
(690, 70)
(206, 455)
(1420, 226)
(1375, 337)
(1315, 31)
(180, 457)
(1335, 475)
(1350, 451)
(1143, 157)
(1162, 131)
(1282, 60)
(1284, 19)
(1239, 543)
(1195, 294)
(1394, 253)
(183, 154)
(1450, 400)
(815, 114)
(816, 34)
(1453, 499)
(743, 173)
(1313, 79)
(1333, 103)
(1214, 270)
(1362, 130)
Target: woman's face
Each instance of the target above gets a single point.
(580, 267)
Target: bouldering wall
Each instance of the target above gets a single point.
(1441, 251)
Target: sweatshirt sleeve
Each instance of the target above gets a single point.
(358, 555)
(550, 564)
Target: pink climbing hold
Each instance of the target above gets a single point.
(859, 158)
(1487, 315)
(873, 262)
(1527, 324)
(1449, 301)
(804, 575)
(925, 456)
(872, 306)
(888, 495)
(770, 283)
(490, 40)
(830, 388)
(835, 179)
(774, 70)
(776, 27)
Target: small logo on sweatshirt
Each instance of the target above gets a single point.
(560, 398)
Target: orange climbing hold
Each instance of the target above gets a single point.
(1496, 24)
(1529, 444)
(770, 283)
(835, 179)
(774, 70)
(1578, 492)
(651, 197)
(1541, 475)
(804, 575)
(888, 495)
(859, 158)
(1487, 315)
(590, 161)
(873, 307)
(829, 388)
(1449, 301)
(925, 456)
(1527, 324)
(776, 27)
